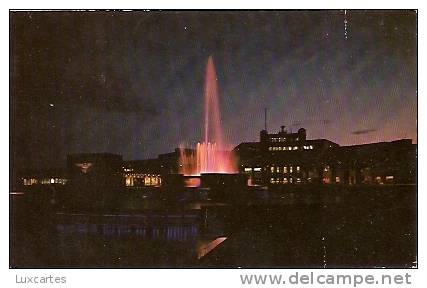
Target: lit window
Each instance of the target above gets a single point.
(277, 169)
(311, 146)
(257, 169)
(290, 180)
(298, 180)
(270, 148)
(297, 138)
(289, 148)
(248, 169)
(337, 179)
(272, 180)
(154, 181)
(285, 180)
(272, 169)
(298, 168)
(295, 148)
(389, 177)
(129, 181)
(290, 169)
(285, 169)
(52, 181)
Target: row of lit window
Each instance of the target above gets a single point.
(289, 148)
(281, 139)
(147, 181)
(45, 181)
(279, 169)
(379, 179)
(325, 180)
(285, 180)
(255, 169)
(141, 175)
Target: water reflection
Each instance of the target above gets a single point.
(169, 233)
(358, 227)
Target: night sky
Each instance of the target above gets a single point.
(132, 83)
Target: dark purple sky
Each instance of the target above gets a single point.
(132, 82)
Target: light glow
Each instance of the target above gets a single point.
(210, 156)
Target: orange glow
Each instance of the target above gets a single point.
(84, 167)
(192, 182)
(251, 183)
(205, 249)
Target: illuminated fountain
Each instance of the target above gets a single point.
(212, 155)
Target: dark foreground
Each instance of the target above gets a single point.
(332, 227)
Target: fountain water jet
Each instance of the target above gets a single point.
(210, 156)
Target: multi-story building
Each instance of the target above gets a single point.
(290, 158)
(380, 163)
